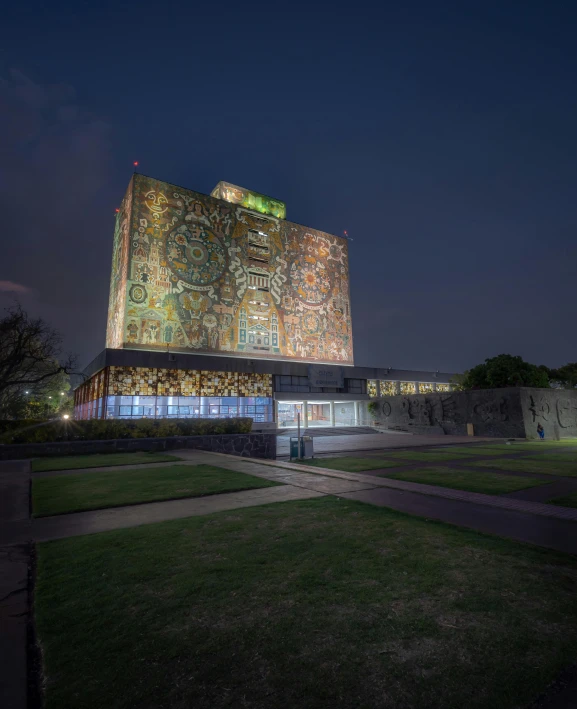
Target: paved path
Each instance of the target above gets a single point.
(351, 443)
(71, 525)
(545, 531)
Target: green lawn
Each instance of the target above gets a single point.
(560, 457)
(530, 446)
(351, 465)
(474, 449)
(471, 480)
(567, 501)
(318, 603)
(530, 465)
(97, 460)
(93, 491)
(429, 456)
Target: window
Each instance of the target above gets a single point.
(356, 386)
(388, 388)
(408, 388)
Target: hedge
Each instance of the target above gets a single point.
(99, 430)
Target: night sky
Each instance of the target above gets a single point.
(441, 136)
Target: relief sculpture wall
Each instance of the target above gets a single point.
(503, 413)
(195, 273)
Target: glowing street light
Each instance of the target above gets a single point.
(66, 417)
(61, 393)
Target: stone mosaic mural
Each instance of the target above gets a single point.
(151, 381)
(193, 273)
(118, 275)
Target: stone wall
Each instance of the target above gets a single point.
(554, 409)
(502, 413)
(249, 445)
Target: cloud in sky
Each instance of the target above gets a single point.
(10, 287)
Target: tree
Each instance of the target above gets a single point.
(505, 370)
(565, 377)
(31, 368)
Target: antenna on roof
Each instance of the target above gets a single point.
(346, 235)
(135, 163)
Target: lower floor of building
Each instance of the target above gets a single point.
(261, 409)
(268, 397)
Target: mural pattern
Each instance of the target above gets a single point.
(119, 273)
(150, 381)
(193, 273)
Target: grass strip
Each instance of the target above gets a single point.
(92, 491)
(98, 460)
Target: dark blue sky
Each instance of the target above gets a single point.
(441, 136)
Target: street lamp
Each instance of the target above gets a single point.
(66, 417)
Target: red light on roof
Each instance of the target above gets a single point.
(117, 210)
(136, 164)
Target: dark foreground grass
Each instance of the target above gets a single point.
(316, 604)
(567, 501)
(93, 491)
(351, 465)
(470, 480)
(531, 465)
(97, 460)
(568, 457)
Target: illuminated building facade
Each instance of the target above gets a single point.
(226, 274)
(219, 307)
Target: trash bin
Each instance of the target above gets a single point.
(307, 448)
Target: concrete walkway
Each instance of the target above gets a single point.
(72, 525)
(377, 441)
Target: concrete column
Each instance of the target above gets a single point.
(275, 412)
(357, 414)
(397, 387)
(378, 387)
(332, 412)
(417, 388)
(434, 386)
(305, 416)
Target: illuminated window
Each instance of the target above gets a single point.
(443, 387)
(408, 388)
(388, 388)
(425, 387)
(371, 387)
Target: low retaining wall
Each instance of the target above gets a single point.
(247, 445)
(504, 413)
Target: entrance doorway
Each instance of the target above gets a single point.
(287, 414)
(319, 414)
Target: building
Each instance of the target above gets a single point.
(219, 306)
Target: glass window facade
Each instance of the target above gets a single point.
(258, 408)
(443, 387)
(388, 388)
(408, 388)
(426, 387)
